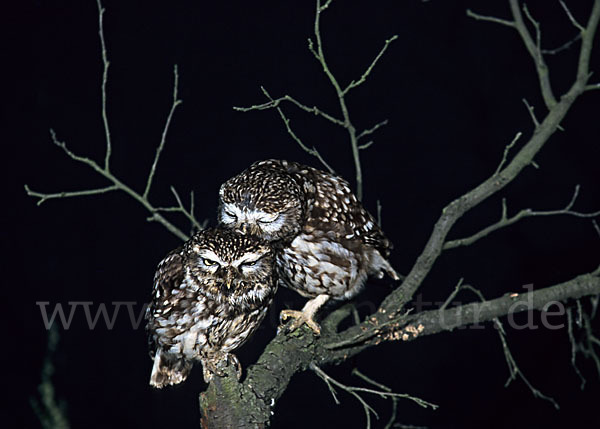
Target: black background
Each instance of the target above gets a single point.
(452, 89)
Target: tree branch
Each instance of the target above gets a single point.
(506, 221)
(534, 49)
(312, 151)
(479, 17)
(318, 53)
(355, 391)
(457, 208)
(354, 84)
(276, 102)
(50, 410)
(117, 184)
(572, 18)
(286, 355)
(163, 139)
(44, 197)
(106, 65)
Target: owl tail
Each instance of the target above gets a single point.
(168, 369)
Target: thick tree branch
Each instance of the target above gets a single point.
(286, 355)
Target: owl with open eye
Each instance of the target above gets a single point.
(209, 296)
(327, 243)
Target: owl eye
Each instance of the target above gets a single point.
(208, 262)
(268, 218)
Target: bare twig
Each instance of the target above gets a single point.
(44, 197)
(596, 227)
(538, 32)
(312, 151)
(506, 150)
(506, 221)
(106, 65)
(479, 17)
(50, 411)
(117, 184)
(574, 347)
(372, 129)
(320, 56)
(383, 387)
(354, 84)
(576, 24)
(531, 113)
(514, 369)
(589, 342)
(318, 52)
(534, 49)
(188, 214)
(562, 47)
(176, 102)
(355, 391)
(276, 102)
(451, 297)
(512, 364)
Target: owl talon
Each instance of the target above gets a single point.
(217, 365)
(299, 318)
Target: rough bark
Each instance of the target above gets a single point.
(228, 403)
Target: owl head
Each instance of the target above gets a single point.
(265, 200)
(231, 267)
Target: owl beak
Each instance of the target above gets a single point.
(243, 228)
(229, 276)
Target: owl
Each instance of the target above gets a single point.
(209, 296)
(326, 243)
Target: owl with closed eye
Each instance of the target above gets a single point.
(327, 244)
(209, 296)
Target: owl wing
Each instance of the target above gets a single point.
(332, 205)
(168, 277)
(336, 208)
(169, 274)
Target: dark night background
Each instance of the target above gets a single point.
(452, 90)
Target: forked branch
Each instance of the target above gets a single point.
(104, 171)
(506, 221)
(346, 123)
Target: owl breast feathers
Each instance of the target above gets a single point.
(209, 296)
(327, 243)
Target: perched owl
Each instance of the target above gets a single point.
(327, 243)
(209, 296)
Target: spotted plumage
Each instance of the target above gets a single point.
(327, 243)
(209, 296)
